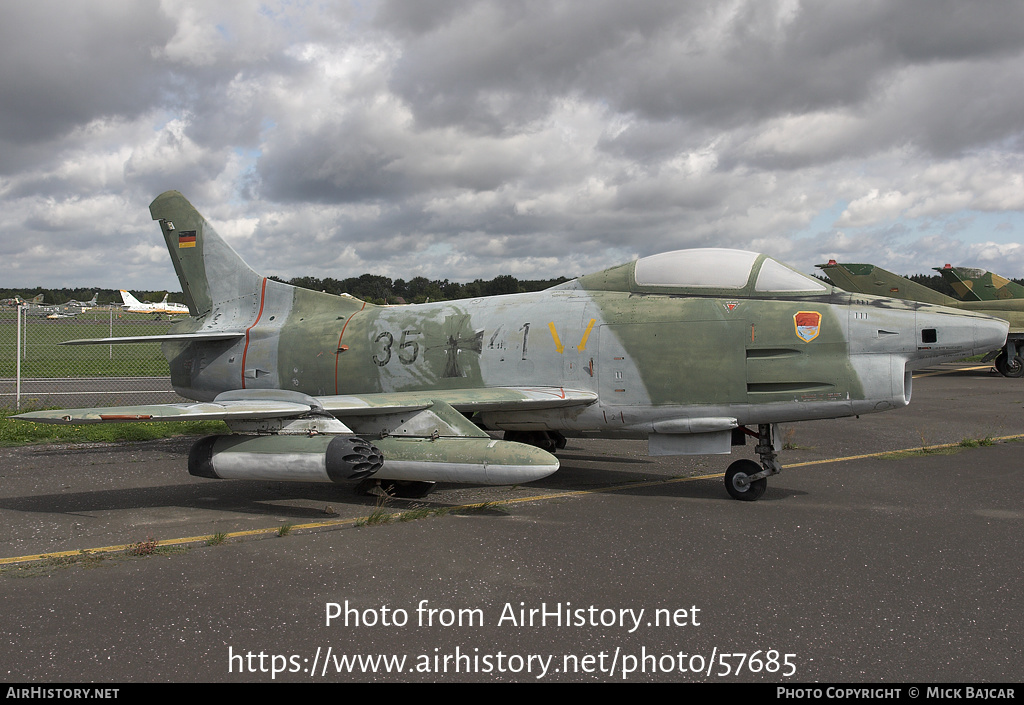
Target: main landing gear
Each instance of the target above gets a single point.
(1008, 361)
(545, 440)
(746, 480)
(1009, 366)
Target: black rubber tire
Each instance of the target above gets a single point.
(745, 468)
(1010, 368)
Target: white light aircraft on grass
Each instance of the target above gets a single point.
(133, 305)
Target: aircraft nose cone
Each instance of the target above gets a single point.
(948, 334)
(988, 334)
(991, 335)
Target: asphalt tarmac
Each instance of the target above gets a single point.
(618, 568)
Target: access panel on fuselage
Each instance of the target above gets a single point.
(798, 352)
(673, 362)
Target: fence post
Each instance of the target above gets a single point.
(17, 364)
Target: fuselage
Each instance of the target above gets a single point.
(655, 359)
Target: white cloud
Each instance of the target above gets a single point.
(874, 207)
(471, 139)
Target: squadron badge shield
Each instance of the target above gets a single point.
(808, 325)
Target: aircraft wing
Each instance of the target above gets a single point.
(252, 404)
(200, 411)
(464, 400)
(403, 436)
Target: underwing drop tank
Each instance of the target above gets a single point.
(347, 458)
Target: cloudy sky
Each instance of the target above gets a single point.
(465, 139)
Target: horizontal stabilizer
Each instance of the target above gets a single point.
(170, 337)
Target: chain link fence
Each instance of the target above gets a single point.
(37, 372)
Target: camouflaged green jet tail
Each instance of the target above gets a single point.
(869, 279)
(979, 285)
(691, 350)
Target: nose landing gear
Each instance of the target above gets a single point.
(746, 480)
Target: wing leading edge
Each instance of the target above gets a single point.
(240, 405)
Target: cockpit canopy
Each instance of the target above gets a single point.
(708, 271)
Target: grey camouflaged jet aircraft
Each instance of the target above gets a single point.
(686, 349)
(972, 284)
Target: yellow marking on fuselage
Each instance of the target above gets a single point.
(586, 334)
(554, 335)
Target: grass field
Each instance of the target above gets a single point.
(42, 356)
(19, 433)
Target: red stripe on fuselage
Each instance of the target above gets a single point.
(337, 352)
(263, 292)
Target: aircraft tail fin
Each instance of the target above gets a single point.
(128, 299)
(979, 285)
(209, 271)
(869, 279)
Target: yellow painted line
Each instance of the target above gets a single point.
(121, 548)
(823, 461)
(476, 505)
(958, 369)
(892, 452)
